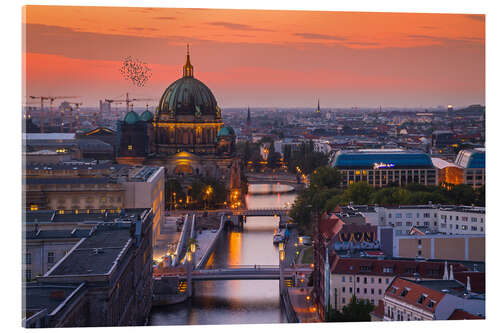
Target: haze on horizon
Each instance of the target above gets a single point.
(259, 58)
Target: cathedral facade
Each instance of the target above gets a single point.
(186, 135)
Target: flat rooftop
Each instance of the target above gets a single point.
(96, 255)
(83, 216)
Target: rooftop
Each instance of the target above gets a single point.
(47, 296)
(381, 158)
(83, 216)
(97, 254)
(471, 158)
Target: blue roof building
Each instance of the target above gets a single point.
(385, 167)
(381, 158)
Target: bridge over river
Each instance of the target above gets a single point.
(240, 272)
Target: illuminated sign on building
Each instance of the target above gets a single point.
(383, 165)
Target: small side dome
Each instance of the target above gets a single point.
(131, 117)
(147, 116)
(226, 131)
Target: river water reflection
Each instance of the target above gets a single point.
(240, 301)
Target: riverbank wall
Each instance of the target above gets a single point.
(287, 307)
(165, 291)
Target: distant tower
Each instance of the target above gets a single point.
(249, 119)
(318, 109)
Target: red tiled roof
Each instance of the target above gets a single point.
(329, 226)
(462, 315)
(414, 291)
(407, 268)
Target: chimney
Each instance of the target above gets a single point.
(445, 275)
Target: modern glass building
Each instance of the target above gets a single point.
(473, 163)
(383, 167)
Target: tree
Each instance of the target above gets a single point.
(356, 310)
(358, 193)
(325, 177)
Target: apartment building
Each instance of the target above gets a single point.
(407, 300)
(368, 278)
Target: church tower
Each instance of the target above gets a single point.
(249, 120)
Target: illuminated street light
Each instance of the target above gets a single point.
(282, 255)
(193, 247)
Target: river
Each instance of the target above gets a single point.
(239, 301)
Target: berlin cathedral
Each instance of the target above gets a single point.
(186, 135)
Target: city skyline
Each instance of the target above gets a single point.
(260, 58)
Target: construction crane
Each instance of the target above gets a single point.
(77, 116)
(51, 99)
(127, 100)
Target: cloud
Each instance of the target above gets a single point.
(165, 18)
(441, 39)
(476, 17)
(142, 29)
(319, 36)
(427, 27)
(237, 26)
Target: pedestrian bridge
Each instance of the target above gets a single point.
(245, 272)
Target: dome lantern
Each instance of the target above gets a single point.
(187, 70)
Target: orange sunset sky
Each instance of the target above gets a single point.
(258, 57)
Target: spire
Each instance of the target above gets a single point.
(451, 273)
(469, 289)
(248, 116)
(187, 70)
(318, 110)
(445, 275)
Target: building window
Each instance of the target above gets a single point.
(343, 289)
(357, 279)
(390, 215)
(28, 275)
(343, 278)
(427, 215)
(379, 280)
(350, 290)
(399, 215)
(357, 290)
(473, 228)
(387, 281)
(365, 291)
(129, 147)
(33, 207)
(372, 280)
(408, 215)
(473, 219)
(372, 291)
(419, 253)
(456, 226)
(343, 300)
(364, 280)
(50, 257)
(28, 258)
(408, 224)
(464, 227)
(419, 242)
(350, 278)
(421, 299)
(380, 291)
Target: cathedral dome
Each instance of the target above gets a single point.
(131, 117)
(188, 96)
(226, 131)
(147, 116)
